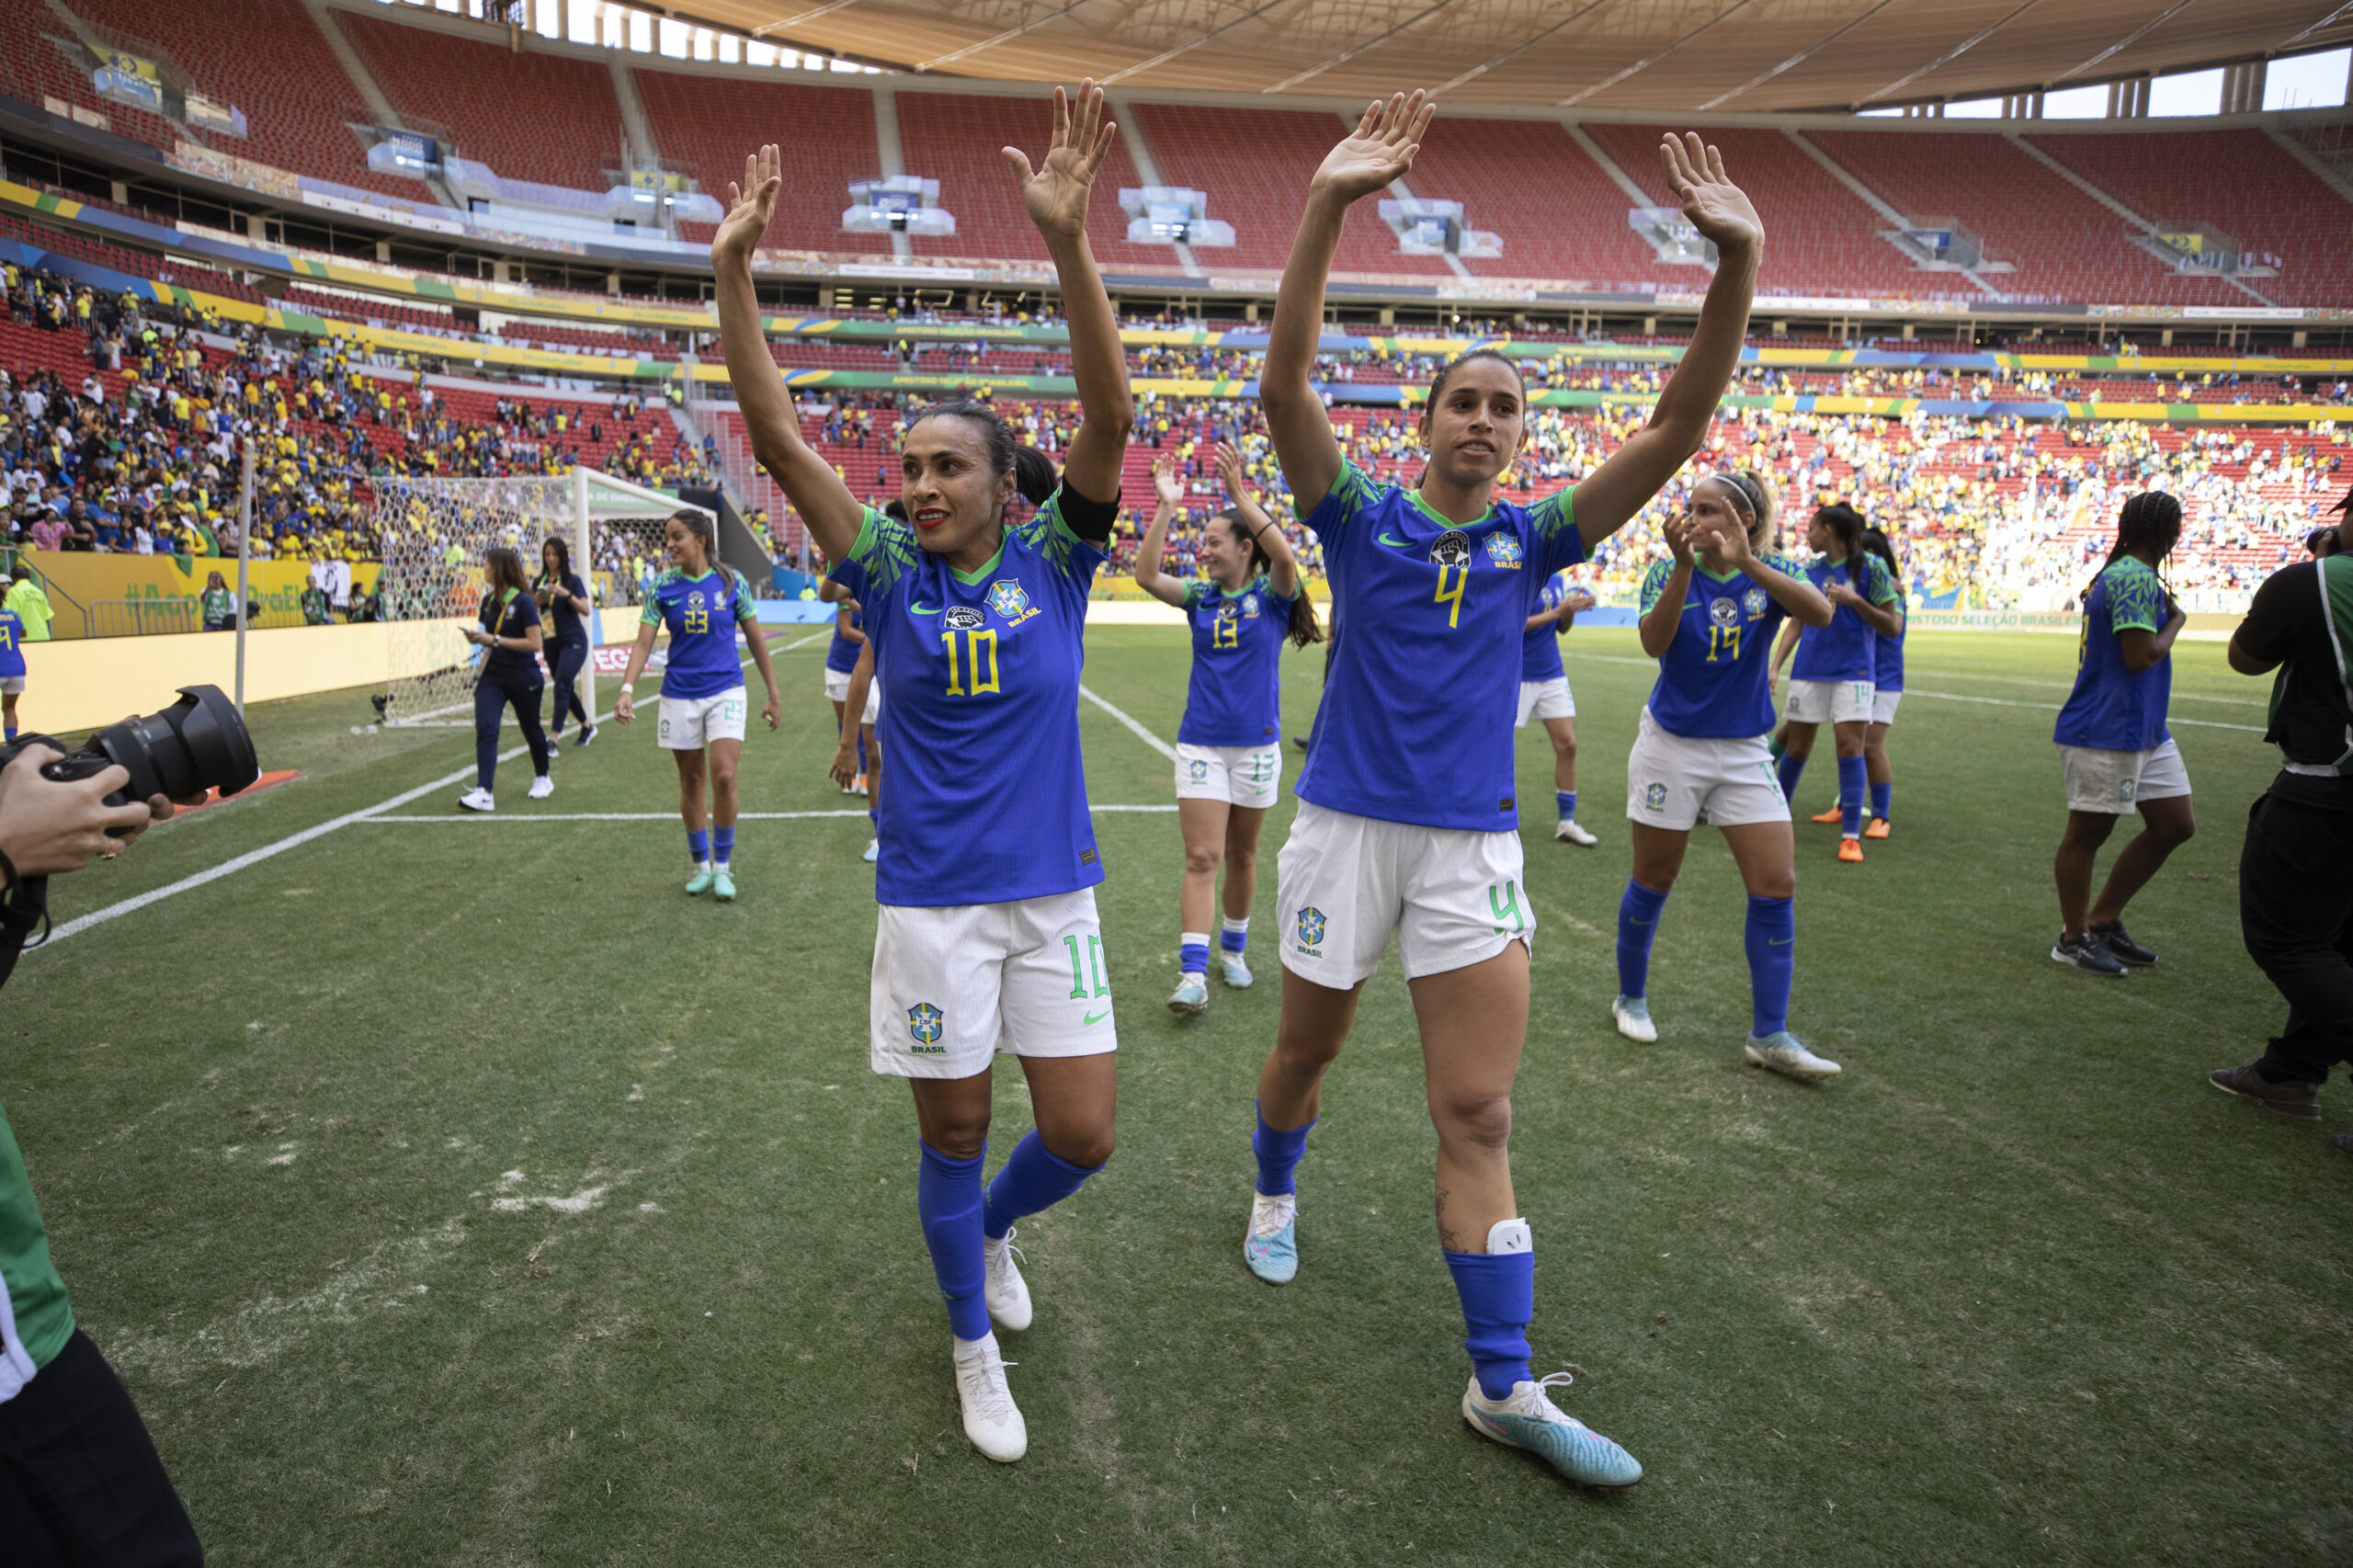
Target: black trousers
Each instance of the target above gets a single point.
(494, 693)
(566, 660)
(2296, 912)
(80, 1481)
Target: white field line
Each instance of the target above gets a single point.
(1146, 736)
(1988, 702)
(658, 816)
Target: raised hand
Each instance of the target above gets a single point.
(1678, 532)
(1163, 481)
(1381, 150)
(1731, 541)
(1717, 208)
(1056, 191)
(1576, 601)
(750, 206)
(1229, 472)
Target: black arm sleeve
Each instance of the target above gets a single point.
(24, 906)
(1090, 520)
(2268, 632)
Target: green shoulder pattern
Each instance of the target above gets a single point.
(1196, 590)
(1555, 512)
(1047, 533)
(652, 614)
(884, 550)
(1655, 583)
(2136, 596)
(1356, 490)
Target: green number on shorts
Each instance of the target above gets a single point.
(1093, 967)
(1504, 901)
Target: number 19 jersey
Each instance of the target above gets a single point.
(1711, 679)
(1417, 721)
(983, 790)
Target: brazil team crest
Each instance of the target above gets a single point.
(1754, 602)
(923, 1022)
(1311, 926)
(1250, 606)
(1654, 796)
(1451, 548)
(1503, 551)
(1009, 599)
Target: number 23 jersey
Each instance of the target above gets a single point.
(1416, 720)
(983, 789)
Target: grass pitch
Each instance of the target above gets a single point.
(459, 1192)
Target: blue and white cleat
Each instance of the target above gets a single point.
(723, 884)
(1192, 994)
(1633, 1016)
(700, 884)
(1233, 971)
(873, 851)
(1781, 1053)
(1271, 1246)
(1528, 1419)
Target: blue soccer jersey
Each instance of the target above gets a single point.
(2111, 708)
(1539, 651)
(985, 795)
(1846, 649)
(1416, 720)
(703, 614)
(12, 644)
(1712, 682)
(1887, 660)
(841, 654)
(1235, 697)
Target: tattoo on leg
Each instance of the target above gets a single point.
(1447, 1238)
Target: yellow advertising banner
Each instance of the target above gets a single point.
(92, 594)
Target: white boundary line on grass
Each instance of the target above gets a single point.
(255, 856)
(1146, 736)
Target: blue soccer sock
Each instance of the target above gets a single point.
(949, 1201)
(1278, 1153)
(1235, 934)
(699, 845)
(1498, 1292)
(1852, 776)
(722, 844)
(1567, 801)
(861, 752)
(11, 732)
(1638, 914)
(1790, 768)
(1036, 1177)
(1882, 797)
(1772, 937)
(1193, 952)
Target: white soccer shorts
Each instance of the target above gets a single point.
(837, 690)
(690, 723)
(1249, 777)
(1542, 699)
(1883, 706)
(1453, 897)
(955, 985)
(1829, 702)
(13, 686)
(2115, 782)
(1670, 779)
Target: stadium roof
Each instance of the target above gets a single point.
(1730, 56)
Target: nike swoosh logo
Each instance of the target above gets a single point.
(922, 609)
(1094, 1019)
(1780, 941)
(1392, 539)
(1642, 922)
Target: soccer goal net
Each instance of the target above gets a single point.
(433, 534)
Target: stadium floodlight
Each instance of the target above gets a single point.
(1674, 240)
(901, 204)
(1172, 215)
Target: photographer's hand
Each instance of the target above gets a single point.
(48, 828)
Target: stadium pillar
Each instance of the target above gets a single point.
(580, 543)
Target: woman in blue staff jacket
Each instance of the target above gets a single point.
(509, 636)
(1247, 600)
(563, 598)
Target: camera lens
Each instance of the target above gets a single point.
(197, 742)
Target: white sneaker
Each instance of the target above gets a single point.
(542, 786)
(1002, 1286)
(1571, 833)
(1233, 970)
(991, 1419)
(1633, 1016)
(478, 800)
(1781, 1053)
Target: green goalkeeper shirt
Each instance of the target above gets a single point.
(35, 1321)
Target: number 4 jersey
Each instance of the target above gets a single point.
(1417, 721)
(984, 790)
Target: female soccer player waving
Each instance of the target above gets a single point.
(1707, 620)
(704, 604)
(1229, 748)
(988, 939)
(1407, 820)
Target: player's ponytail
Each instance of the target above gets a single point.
(1033, 474)
(2151, 517)
(1879, 545)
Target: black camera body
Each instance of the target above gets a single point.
(199, 743)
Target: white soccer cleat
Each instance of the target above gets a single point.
(478, 800)
(1633, 1016)
(1192, 994)
(1527, 1418)
(1570, 832)
(1271, 1244)
(1002, 1287)
(542, 786)
(992, 1421)
(1233, 970)
(1781, 1053)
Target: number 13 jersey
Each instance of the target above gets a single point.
(983, 789)
(1417, 721)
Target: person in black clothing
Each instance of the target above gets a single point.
(2296, 872)
(564, 597)
(510, 632)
